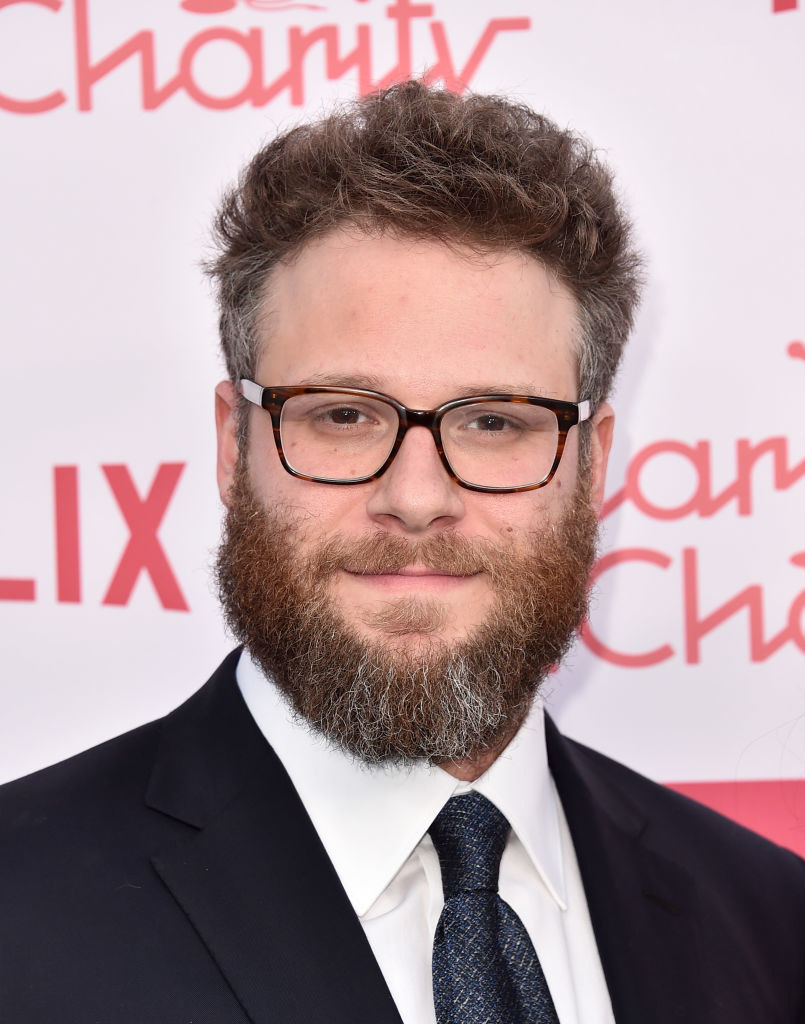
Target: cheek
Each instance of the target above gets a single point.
(268, 479)
(566, 478)
(511, 517)
(334, 508)
(329, 507)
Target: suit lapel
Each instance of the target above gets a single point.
(253, 877)
(642, 906)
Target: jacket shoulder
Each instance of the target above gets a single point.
(114, 773)
(683, 829)
(90, 783)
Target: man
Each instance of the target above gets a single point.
(364, 815)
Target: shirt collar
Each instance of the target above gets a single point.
(370, 818)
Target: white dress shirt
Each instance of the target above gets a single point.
(373, 822)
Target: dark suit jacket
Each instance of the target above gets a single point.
(173, 876)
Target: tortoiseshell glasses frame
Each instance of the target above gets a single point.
(272, 399)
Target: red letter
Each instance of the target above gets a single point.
(17, 590)
(699, 458)
(336, 66)
(747, 456)
(445, 69)
(795, 621)
(88, 74)
(403, 12)
(68, 552)
(49, 102)
(596, 646)
(143, 551)
(251, 44)
(703, 500)
(750, 597)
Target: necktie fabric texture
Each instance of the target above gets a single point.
(485, 968)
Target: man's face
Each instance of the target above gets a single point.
(423, 323)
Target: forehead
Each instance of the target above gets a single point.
(421, 319)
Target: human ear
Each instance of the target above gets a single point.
(226, 428)
(602, 425)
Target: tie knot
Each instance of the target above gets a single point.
(469, 834)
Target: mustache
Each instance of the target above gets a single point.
(383, 553)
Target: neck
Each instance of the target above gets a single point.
(472, 768)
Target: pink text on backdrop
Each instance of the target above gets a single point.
(340, 58)
(704, 501)
(143, 553)
(697, 624)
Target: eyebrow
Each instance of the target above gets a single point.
(371, 383)
(352, 380)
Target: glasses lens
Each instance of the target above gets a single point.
(337, 436)
(500, 444)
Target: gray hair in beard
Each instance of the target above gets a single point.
(412, 695)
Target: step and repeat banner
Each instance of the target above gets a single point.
(121, 124)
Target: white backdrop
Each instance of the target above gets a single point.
(122, 122)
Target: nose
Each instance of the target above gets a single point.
(415, 493)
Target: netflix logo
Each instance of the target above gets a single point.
(143, 553)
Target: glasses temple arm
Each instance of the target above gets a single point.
(251, 392)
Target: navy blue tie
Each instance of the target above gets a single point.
(485, 968)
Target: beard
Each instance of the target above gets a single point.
(408, 694)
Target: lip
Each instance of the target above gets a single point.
(413, 577)
(424, 570)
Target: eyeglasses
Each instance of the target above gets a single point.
(494, 443)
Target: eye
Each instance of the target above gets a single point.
(498, 424)
(342, 416)
(489, 421)
(345, 416)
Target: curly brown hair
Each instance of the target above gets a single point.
(423, 162)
